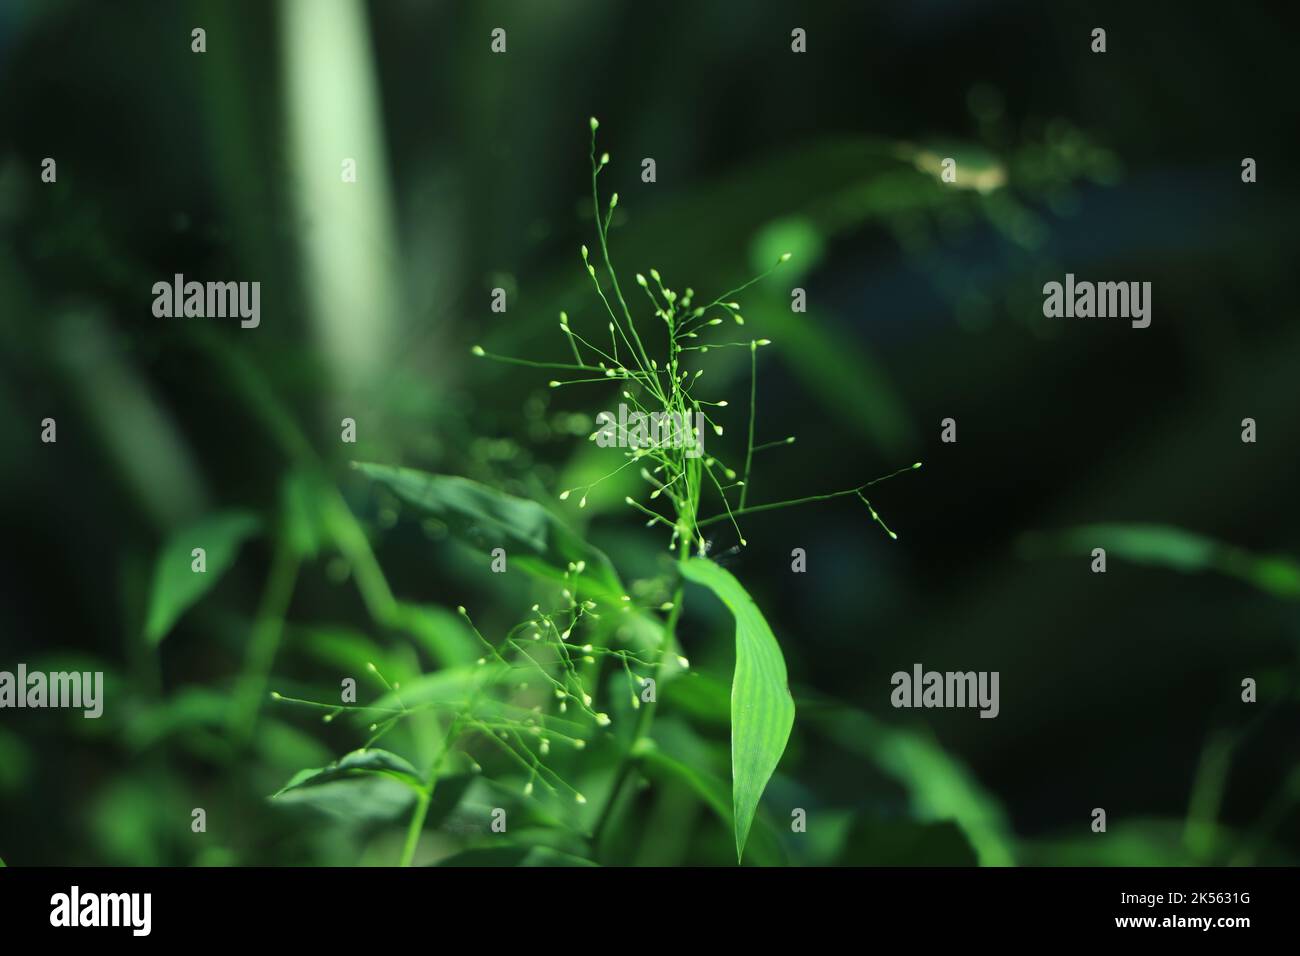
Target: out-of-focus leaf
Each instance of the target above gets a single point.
(762, 710)
(796, 235)
(454, 687)
(840, 373)
(282, 745)
(513, 855)
(708, 787)
(701, 696)
(176, 587)
(658, 763)
(940, 788)
(443, 633)
(187, 709)
(342, 648)
(590, 464)
(1164, 546)
(305, 524)
(450, 686)
(1131, 843)
(486, 517)
(128, 819)
(446, 797)
(474, 507)
(14, 761)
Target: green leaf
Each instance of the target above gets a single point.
(487, 517)
(1165, 546)
(840, 373)
(283, 746)
(304, 501)
(15, 762)
(446, 798)
(705, 785)
(176, 587)
(463, 502)
(361, 786)
(702, 697)
(341, 647)
(354, 801)
(451, 685)
(187, 710)
(1140, 842)
(762, 709)
(358, 763)
(513, 855)
(797, 235)
(939, 786)
(443, 633)
(677, 754)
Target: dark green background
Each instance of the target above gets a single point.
(1118, 691)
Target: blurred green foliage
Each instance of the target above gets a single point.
(1120, 690)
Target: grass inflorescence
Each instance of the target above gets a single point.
(663, 386)
(533, 689)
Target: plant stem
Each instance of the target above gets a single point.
(643, 720)
(753, 404)
(791, 502)
(529, 363)
(426, 793)
(752, 509)
(417, 824)
(644, 358)
(267, 628)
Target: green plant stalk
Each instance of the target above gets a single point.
(604, 250)
(791, 502)
(422, 801)
(1206, 801)
(753, 406)
(267, 629)
(343, 526)
(352, 542)
(425, 795)
(754, 509)
(644, 718)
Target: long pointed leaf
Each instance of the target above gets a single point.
(762, 709)
(176, 587)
